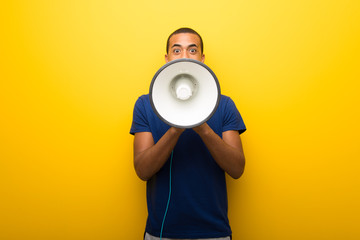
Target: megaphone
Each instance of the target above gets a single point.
(184, 93)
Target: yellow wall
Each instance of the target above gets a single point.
(71, 71)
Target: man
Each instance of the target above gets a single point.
(201, 156)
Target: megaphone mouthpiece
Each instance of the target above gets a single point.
(183, 86)
(183, 92)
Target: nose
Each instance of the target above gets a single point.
(185, 54)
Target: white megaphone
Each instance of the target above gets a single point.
(184, 93)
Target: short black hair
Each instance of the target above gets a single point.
(185, 30)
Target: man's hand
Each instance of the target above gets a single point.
(202, 129)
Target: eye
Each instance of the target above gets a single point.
(176, 51)
(193, 50)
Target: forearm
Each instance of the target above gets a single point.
(229, 157)
(149, 160)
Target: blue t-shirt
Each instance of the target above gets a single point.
(198, 206)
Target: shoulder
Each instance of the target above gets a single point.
(144, 98)
(226, 101)
(142, 105)
(143, 101)
(224, 98)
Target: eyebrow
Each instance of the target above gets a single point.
(178, 45)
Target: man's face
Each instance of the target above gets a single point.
(184, 45)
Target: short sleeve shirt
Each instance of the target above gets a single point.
(198, 207)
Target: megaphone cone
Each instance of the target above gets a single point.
(184, 93)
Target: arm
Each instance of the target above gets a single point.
(150, 157)
(227, 152)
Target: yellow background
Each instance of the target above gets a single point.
(71, 71)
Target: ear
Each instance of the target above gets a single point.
(203, 58)
(166, 58)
